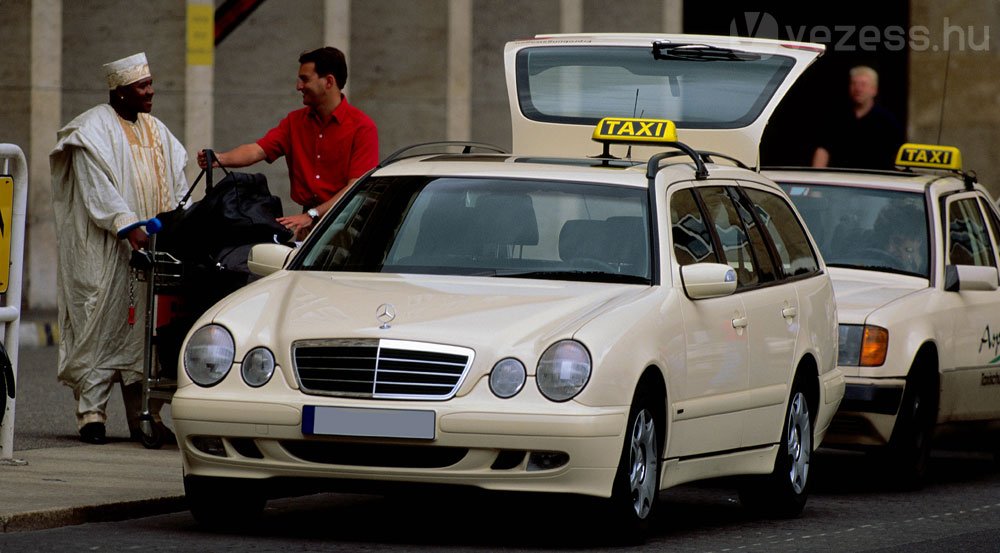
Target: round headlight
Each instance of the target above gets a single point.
(563, 370)
(507, 378)
(209, 355)
(257, 367)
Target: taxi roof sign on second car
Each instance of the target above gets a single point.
(929, 156)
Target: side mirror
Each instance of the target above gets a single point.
(708, 280)
(963, 278)
(265, 259)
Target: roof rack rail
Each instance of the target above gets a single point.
(708, 156)
(653, 165)
(467, 148)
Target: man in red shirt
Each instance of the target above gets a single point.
(327, 145)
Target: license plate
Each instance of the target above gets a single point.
(364, 422)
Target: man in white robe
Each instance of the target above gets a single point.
(113, 166)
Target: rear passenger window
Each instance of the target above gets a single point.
(786, 231)
(692, 241)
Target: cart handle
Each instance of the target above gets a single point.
(152, 227)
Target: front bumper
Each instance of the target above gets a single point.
(867, 414)
(475, 443)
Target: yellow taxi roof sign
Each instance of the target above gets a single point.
(619, 130)
(929, 156)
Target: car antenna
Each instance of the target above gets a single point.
(944, 96)
(628, 153)
(969, 178)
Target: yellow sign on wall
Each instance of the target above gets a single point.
(6, 228)
(200, 34)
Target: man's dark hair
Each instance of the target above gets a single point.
(329, 61)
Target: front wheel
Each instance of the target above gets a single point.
(637, 481)
(909, 450)
(783, 493)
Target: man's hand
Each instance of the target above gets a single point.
(203, 159)
(299, 224)
(240, 156)
(137, 238)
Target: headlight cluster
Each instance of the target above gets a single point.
(563, 371)
(862, 345)
(210, 354)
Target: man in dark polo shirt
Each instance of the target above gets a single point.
(865, 137)
(327, 145)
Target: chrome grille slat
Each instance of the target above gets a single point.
(392, 369)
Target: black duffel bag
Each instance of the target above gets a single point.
(239, 210)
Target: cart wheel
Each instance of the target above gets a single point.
(152, 434)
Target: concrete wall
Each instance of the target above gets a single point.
(400, 74)
(15, 72)
(963, 40)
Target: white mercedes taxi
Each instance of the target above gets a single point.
(595, 324)
(913, 258)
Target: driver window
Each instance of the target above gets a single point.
(968, 241)
(692, 240)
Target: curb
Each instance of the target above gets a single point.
(55, 518)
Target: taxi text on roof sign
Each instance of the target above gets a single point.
(929, 156)
(631, 129)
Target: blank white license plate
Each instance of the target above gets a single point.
(376, 423)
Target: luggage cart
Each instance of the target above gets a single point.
(164, 276)
(194, 283)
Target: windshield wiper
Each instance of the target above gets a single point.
(699, 52)
(879, 268)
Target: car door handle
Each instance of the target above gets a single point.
(789, 312)
(740, 322)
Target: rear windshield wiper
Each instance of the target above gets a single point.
(699, 52)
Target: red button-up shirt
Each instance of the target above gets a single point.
(322, 155)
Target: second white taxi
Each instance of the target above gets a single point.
(914, 256)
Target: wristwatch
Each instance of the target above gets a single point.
(313, 213)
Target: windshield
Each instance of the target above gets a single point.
(580, 85)
(489, 227)
(866, 228)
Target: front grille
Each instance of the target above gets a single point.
(380, 369)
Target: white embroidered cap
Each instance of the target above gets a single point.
(127, 70)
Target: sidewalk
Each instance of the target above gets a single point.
(58, 481)
(61, 486)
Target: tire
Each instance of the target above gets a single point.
(783, 493)
(224, 503)
(153, 439)
(909, 450)
(634, 494)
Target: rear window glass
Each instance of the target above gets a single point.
(580, 85)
